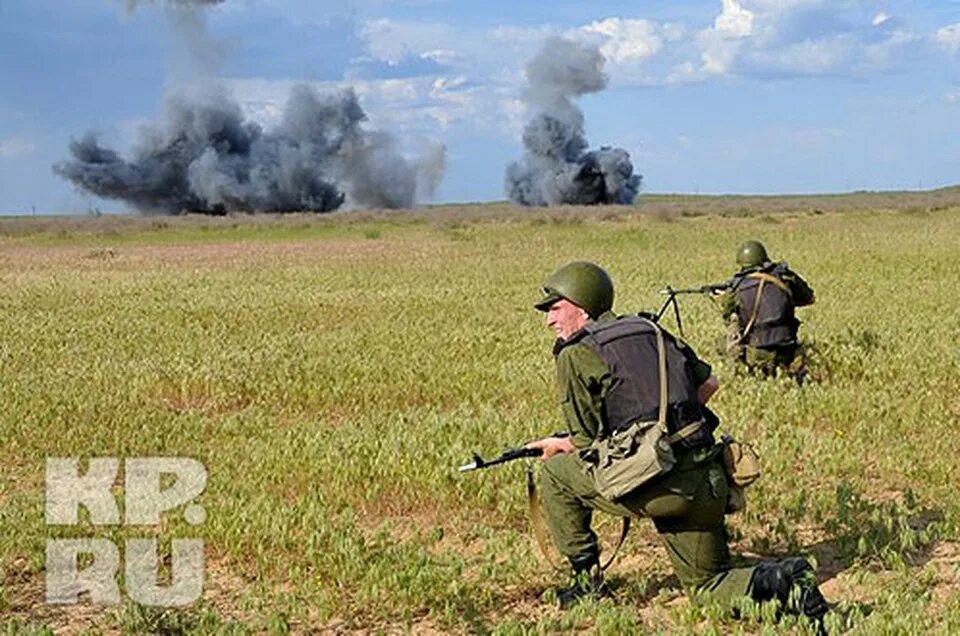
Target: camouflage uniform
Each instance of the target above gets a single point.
(686, 504)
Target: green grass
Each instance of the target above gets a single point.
(331, 373)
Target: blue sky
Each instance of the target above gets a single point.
(719, 96)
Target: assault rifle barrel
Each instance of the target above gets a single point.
(703, 289)
(672, 294)
(507, 456)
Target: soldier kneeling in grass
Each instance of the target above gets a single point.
(641, 444)
(759, 308)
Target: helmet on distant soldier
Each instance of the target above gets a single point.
(751, 254)
(584, 284)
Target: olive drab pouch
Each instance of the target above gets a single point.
(633, 456)
(741, 462)
(742, 465)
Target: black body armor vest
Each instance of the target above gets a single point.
(628, 345)
(775, 324)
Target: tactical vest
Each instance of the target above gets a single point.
(772, 323)
(628, 345)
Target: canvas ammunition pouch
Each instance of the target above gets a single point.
(632, 455)
(742, 466)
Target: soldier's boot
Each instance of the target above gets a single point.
(792, 583)
(587, 582)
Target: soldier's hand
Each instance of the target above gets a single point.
(553, 446)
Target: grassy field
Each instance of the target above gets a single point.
(332, 372)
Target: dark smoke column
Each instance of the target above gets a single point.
(556, 167)
(206, 158)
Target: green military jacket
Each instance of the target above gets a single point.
(583, 380)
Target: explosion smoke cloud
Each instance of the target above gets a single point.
(556, 167)
(207, 158)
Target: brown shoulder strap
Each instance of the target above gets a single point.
(764, 278)
(662, 369)
(756, 310)
(770, 278)
(687, 430)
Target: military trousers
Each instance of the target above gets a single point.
(686, 506)
(790, 357)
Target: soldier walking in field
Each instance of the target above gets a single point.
(759, 309)
(625, 376)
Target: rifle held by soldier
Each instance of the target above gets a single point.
(508, 455)
(713, 288)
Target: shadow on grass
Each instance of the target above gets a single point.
(881, 542)
(876, 536)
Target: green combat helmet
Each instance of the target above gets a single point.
(751, 254)
(584, 284)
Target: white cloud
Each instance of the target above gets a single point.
(953, 96)
(684, 73)
(719, 53)
(392, 41)
(734, 21)
(719, 44)
(496, 56)
(674, 32)
(809, 57)
(799, 37)
(15, 147)
(880, 18)
(622, 40)
(760, 38)
(949, 38)
(441, 56)
(416, 106)
(887, 52)
(474, 76)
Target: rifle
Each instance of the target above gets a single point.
(713, 288)
(508, 455)
(537, 521)
(671, 293)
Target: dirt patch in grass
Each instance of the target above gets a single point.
(405, 514)
(182, 398)
(945, 559)
(26, 601)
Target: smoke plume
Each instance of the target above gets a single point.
(556, 167)
(205, 157)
